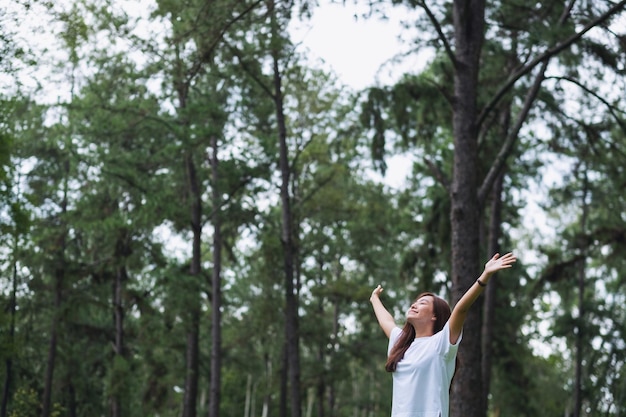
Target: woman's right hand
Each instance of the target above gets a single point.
(376, 292)
(385, 319)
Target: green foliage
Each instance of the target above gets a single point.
(26, 404)
(528, 384)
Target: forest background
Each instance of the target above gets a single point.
(193, 216)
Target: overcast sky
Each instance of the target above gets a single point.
(354, 47)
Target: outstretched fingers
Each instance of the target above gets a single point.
(498, 262)
(508, 260)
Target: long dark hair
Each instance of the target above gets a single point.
(442, 312)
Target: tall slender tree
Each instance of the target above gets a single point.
(216, 285)
(287, 219)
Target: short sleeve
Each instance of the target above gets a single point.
(443, 342)
(393, 337)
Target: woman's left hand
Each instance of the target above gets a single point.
(498, 262)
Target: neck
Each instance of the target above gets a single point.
(423, 331)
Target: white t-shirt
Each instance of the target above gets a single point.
(421, 381)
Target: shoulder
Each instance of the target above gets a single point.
(444, 342)
(452, 339)
(395, 333)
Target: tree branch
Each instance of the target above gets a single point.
(612, 109)
(544, 59)
(254, 76)
(220, 36)
(438, 174)
(442, 36)
(507, 147)
(549, 53)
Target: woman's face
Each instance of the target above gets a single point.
(422, 310)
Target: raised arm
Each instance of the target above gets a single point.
(385, 319)
(459, 313)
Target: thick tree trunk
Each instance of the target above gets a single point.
(465, 209)
(216, 290)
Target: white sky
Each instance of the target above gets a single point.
(358, 51)
(354, 47)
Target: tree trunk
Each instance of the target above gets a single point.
(291, 301)
(580, 330)
(284, 370)
(59, 278)
(193, 329)
(71, 408)
(8, 364)
(320, 388)
(118, 317)
(216, 288)
(465, 210)
(493, 246)
(122, 251)
(332, 389)
(52, 345)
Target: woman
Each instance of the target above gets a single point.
(422, 355)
